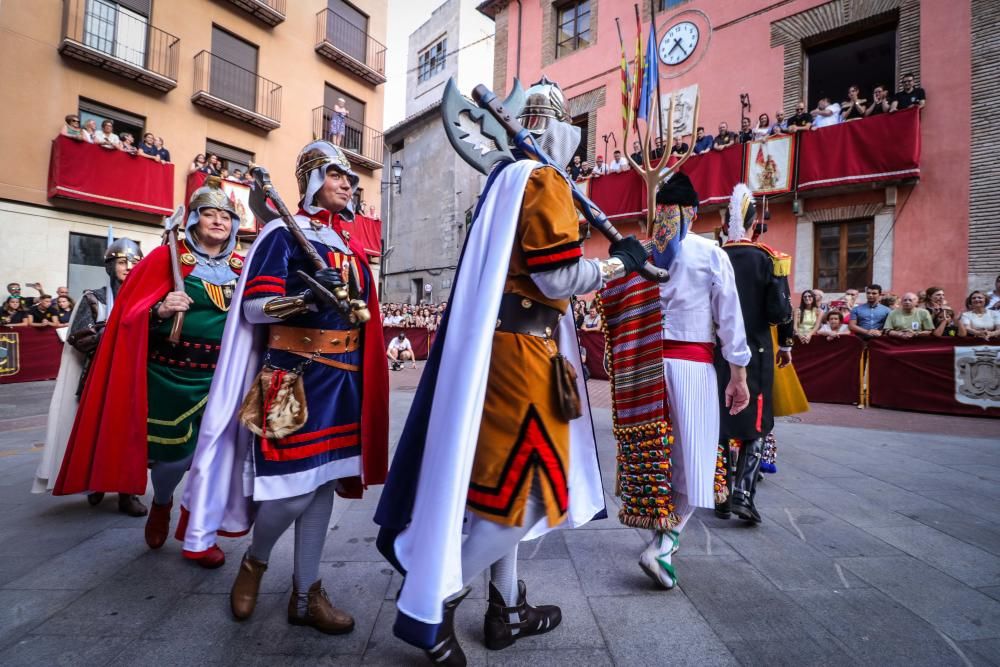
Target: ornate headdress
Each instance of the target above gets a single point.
(676, 211)
(741, 213)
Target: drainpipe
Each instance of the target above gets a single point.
(517, 67)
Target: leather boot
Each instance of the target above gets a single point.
(498, 628)
(210, 558)
(95, 498)
(320, 613)
(447, 651)
(745, 482)
(243, 597)
(723, 510)
(131, 505)
(158, 524)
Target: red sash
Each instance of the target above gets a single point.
(679, 349)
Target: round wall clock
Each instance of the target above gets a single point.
(679, 42)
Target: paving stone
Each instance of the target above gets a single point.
(549, 545)
(853, 508)
(34, 650)
(658, 629)
(970, 565)
(981, 652)
(606, 561)
(992, 591)
(874, 629)
(86, 565)
(167, 653)
(788, 652)
(353, 539)
(277, 578)
(829, 534)
(22, 611)
(590, 657)
(958, 611)
(970, 529)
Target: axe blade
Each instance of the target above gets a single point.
(473, 132)
(176, 220)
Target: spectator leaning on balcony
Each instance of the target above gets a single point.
(107, 138)
(834, 326)
(60, 313)
(724, 139)
(338, 121)
(936, 304)
(577, 168)
(802, 120)
(619, 164)
(825, 114)
(657, 149)
(161, 151)
(90, 131)
(868, 318)
(993, 298)
(600, 167)
(636, 152)
(14, 289)
(880, 102)
(592, 320)
(148, 147)
(72, 128)
(780, 124)
(853, 107)
(39, 315)
(908, 321)
(909, 96)
(679, 148)
(198, 164)
(212, 165)
(763, 128)
(127, 144)
(703, 142)
(977, 320)
(746, 131)
(13, 314)
(820, 303)
(807, 316)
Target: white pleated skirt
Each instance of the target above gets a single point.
(692, 391)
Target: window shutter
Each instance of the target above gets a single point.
(229, 153)
(142, 7)
(235, 50)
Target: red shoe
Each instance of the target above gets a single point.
(209, 559)
(158, 524)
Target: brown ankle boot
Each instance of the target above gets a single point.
(243, 597)
(158, 524)
(131, 505)
(320, 614)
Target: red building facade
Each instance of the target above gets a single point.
(904, 230)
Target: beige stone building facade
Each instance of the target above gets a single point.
(247, 79)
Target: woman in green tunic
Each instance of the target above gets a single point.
(180, 375)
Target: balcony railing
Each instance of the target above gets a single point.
(362, 144)
(236, 92)
(102, 34)
(349, 46)
(271, 12)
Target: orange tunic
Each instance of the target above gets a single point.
(522, 433)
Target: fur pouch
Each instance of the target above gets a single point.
(567, 393)
(277, 398)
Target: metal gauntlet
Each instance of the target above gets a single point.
(611, 268)
(283, 307)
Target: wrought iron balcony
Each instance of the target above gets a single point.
(101, 34)
(350, 47)
(271, 12)
(236, 92)
(362, 144)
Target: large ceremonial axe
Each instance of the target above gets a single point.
(170, 226)
(481, 133)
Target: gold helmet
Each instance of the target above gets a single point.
(211, 195)
(321, 155)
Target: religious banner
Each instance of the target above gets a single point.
(768, 165)
(239, 193)
(977, 376)
(10, 361)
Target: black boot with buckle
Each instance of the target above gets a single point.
(447, 651)
(751, 452)
(501, 632)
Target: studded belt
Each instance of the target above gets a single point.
(188, 353)
(312, 341)
(520, 315)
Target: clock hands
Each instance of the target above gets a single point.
(677, 45)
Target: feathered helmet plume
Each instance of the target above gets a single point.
(741, 213)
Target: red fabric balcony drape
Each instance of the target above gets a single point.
(78, 170)
(878, 148)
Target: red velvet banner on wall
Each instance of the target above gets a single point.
(28, 354)
(714, 174)
(79, 170)
(877, 148)
(593, 343)
(921, 375)
(619, 195)
(830, 370)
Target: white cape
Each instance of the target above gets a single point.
(430, 549)
(62, 410)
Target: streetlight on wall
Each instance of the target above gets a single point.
(397, 177)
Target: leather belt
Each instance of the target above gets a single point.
(521, 315)
(188, 353)
(312, 341)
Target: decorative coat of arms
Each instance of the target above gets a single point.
(10, 359)
(977, 376)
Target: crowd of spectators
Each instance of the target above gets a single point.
(42, 311)
(210, 165)
(827, 112)
(909, 315)
(424, 316)
(152, 146)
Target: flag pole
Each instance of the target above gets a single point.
(659, 102)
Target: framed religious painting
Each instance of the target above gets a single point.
(768, 165)
(239, 193)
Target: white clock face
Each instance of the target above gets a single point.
(679, 43)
